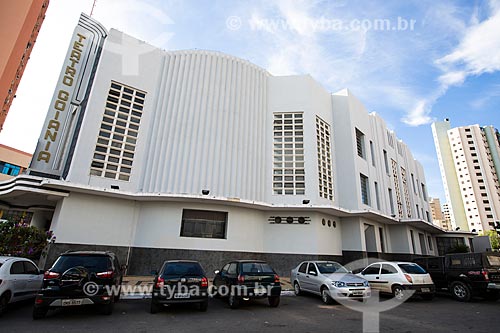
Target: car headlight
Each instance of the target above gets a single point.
(339, 284)
(366, 284)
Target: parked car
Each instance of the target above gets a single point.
(329, 279)
(179, 281)
(247, 279)
(466, 274)
(80, 278)
(20, 279)
(396, 277)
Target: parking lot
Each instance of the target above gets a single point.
(295, 314)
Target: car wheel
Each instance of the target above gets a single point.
(39, 312)
(154, 307)
(296, 289)
(203, 306)
(107, 309)
(461, 291)
(428, 297)
(398, 293)
(116, 298)
(325, 296)
(274, 301)
(492, 296)
(4, 300)
(234, 301)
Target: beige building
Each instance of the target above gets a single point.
(438, 218)
(469, 159)
(12, 162)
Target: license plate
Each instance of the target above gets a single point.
(260, 290)
(72, 302)
(425, 290)
(182, 295)
(357, 293)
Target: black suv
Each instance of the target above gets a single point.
(179, 281)
(246, 279)
(80, 278)
(466, 274)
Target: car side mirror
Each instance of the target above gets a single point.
(216, 271)
(350, 272)
(363, 273)
(154, 272)
(313, 273)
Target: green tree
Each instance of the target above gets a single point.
(22, 240)
(494, 239)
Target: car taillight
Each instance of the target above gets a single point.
(485, 274)
(276, 278)
(160, 282)
(241, 279)
(204, 282)
(408, 277)
(105, 275)
(48, 275)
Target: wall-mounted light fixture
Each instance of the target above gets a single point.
(205, 192)
(305, 201)
(115, 187)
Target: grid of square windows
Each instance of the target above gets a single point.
(116, 142)
(288, 153)
(406, 192)
(396, 187)
(325, 179)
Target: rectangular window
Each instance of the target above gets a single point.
(325, 177)
(377, 195)
(413, 242)
(386, 162)
(9, 169)
(203, 224)
(360, 143)
(288, 154)
(424, 192)
(372, 152)
(391, 201)
(365, 192)
(413, 183)
(429, 241)
(117, 138)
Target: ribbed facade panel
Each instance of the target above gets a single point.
(208, 127)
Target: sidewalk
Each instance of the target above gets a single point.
(145, 286)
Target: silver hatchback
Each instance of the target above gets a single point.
(330, 280)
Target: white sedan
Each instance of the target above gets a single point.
(330, 280)
(20, 279)
(397, 277)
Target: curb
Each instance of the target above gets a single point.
(286, 293)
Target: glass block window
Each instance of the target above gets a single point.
(288, 153)
(325, 178)
(396, 187)
(117, 139)
(405, 191)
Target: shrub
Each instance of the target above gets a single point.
(22, 240)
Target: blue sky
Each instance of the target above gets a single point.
(447, 66)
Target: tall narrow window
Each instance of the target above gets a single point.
(382, 239)
(372, 152)
(391, 201)
(365, 192)
(413, 242)
(288, 153)
(377, 195)
(386, 162)
(360, 143)
(424, 192)
(117, 138)
(325, 178)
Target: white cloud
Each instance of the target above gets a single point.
(478, 52)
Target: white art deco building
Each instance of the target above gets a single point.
(202, 155)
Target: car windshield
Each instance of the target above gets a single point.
(492, 260)
(94, 264)
(412, 269)
(331, 267)
(256, 267)
(181, 269)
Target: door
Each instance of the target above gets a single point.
(34, 278)
(309, 281)
(19, 280)
(315, 279)
(388, 275)
(219, 278)
(301, 275)
(372, 274)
